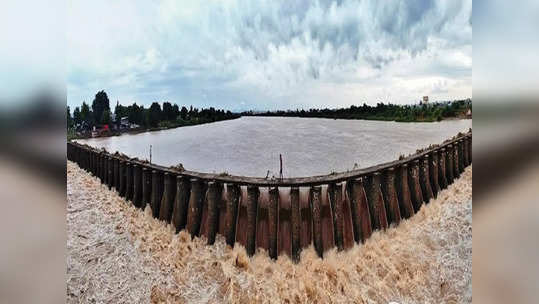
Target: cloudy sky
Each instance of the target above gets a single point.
(269, 54)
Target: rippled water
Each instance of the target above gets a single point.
(309, 146)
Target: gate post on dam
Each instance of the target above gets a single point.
(415, 187)
(214, 196)
(137, 186)
(470, 146)
(181, 203)
(129, 181)
(403, 192)
(157, 192)
(146, 187)
(424, 179)
(442, 176)
(376, 202)
(232, 201)
(273, 211)
(461, 155)
(316, 209)
(466, 153)
(121, 173)
(433, 172)
(167, 201)
(116, 175)
(336, 203)
(361, 217)
(194, 215)
(390, 196)
(296, 223)
(252, 207)
(104, 171)
(449, 165)
(456, 170)
(110, 168)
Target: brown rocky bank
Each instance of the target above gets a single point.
(119, 254)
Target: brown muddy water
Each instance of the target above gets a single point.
(117, 253)
(251, 146)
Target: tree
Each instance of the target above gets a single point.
(135, 114)
(100, 104)
(69, 119)
(168, 111)
(154, 114)
(85, 113)
(77, 118)
(183, 113)
(105, 119)
(120, 111)
(176, 111)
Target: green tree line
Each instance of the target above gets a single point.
(155, 116)
(401, 113)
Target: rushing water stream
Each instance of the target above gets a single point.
(309, 146)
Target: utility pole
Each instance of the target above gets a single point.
(281, 166)
(150, 154)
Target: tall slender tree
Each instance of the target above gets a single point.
(100, 104)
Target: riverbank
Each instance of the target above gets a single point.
(117, 253)
(165, 125)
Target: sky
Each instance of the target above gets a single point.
(268, 54)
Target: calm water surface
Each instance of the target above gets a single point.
(310, 146)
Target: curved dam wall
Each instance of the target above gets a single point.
(288, 214)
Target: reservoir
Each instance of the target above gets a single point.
(250, 146)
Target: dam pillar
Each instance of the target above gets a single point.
(361, 218)
(122, 173)
(110, 170)
(390, 196)
(118, 174)
(196, 200)
(470, 150)
(433, 172)
(465, 151)
(415, 187)
(449, 164)
(376, 202)
(129, 181)
(181, 202)
(296, 223)
(442, 175)
(214, 197)
(167, 200)
(137, 186)
(424, 178)
(403, 191)
(456, 171)
(316, 210)
(231, 216)
(157, 192)
(273, 221)
(104, 168)
(252, 207)
(146, 187)
(336, 203)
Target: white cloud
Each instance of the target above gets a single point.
(270, 54)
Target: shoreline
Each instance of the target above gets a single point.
(116, 251)
(138, 131)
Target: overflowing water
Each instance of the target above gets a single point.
(309, 146)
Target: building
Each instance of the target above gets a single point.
(425, 100)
